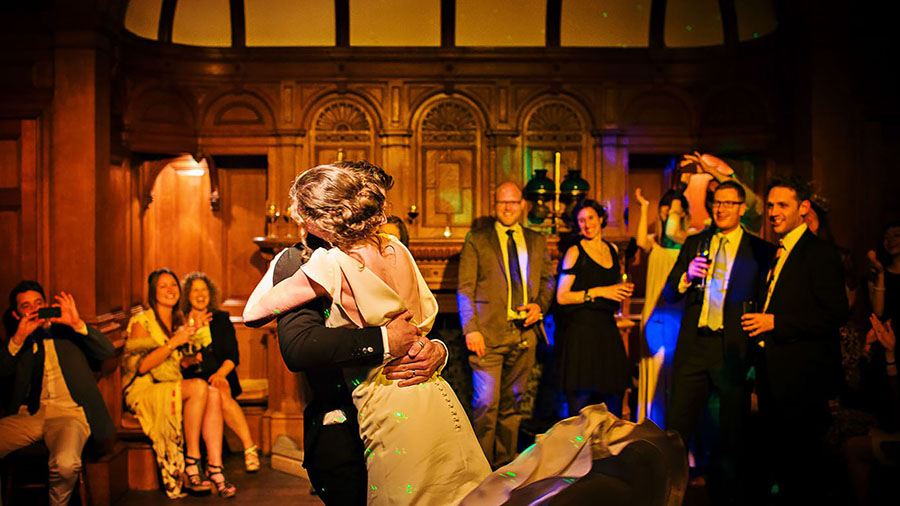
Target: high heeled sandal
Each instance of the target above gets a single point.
(251, 459)
(223, 488)
(193, 481)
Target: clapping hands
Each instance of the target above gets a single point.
(881, 332)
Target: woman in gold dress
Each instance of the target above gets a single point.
(161, 399)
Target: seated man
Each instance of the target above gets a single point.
(54, 396)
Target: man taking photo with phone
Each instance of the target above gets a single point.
(54, 395)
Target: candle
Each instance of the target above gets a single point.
(556, 183)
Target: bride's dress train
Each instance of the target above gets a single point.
(571, 448)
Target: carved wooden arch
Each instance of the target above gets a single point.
(160, 106)
(425, 103)
(659, 110)
(556, 123)
(576, 104)
(238, 110)
(342, 127)
(311, 111)
(160, 119)
(449, 152)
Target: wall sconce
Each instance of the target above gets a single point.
(412, 214)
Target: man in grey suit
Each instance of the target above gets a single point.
(505, 286)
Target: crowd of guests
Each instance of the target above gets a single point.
(773, 340)
(743, 340)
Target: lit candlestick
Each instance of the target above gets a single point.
(340, 155)
(556, 183)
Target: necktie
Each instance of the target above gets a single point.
(33, 399)
(778, 253)
(716, 287)
(770, 279)
(515, 273)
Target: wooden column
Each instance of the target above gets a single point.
(285, 413)
(79, 157)
(507, 160)
(396, 156)
(612, 178)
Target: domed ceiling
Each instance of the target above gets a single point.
(417, 23)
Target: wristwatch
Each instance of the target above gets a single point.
(587, 296)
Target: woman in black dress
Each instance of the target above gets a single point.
(218, 356)
(594, 366)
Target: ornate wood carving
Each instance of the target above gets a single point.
(342, 122)
(450, 141)
(554, 123)
(449, 122)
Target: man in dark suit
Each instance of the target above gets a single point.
(333, 451)
(54, 395)
(798, 354)
(711, 354)
(505, 285)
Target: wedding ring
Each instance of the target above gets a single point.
(420, 343)
(412, 374)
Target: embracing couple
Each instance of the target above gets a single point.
(383, 427)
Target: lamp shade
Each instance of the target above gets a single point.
(573, 186)
(540, 187)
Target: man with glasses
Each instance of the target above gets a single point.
(711, 354)
(505, 286)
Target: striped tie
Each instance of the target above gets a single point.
(716, 287)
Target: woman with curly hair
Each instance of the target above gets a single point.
(419, 446)
(218, 356)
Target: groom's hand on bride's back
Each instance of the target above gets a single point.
(419, 364)
(401, 334)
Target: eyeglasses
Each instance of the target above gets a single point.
(726, 204)
(508, 202)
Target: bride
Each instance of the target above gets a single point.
(419, 445)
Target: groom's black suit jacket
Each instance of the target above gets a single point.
(308, 346)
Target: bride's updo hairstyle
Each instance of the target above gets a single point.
(343, 199)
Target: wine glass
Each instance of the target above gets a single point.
(627, 279)
(704, 253)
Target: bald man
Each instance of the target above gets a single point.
(505, 286)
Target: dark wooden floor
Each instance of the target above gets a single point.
(274, 487)
(262, 488)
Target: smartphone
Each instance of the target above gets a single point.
(49, 312)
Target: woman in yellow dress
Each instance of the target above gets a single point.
(161, 399)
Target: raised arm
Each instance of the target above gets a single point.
(268, 301)
(643, 239)
(306, 343)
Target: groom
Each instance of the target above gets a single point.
(333, 451)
